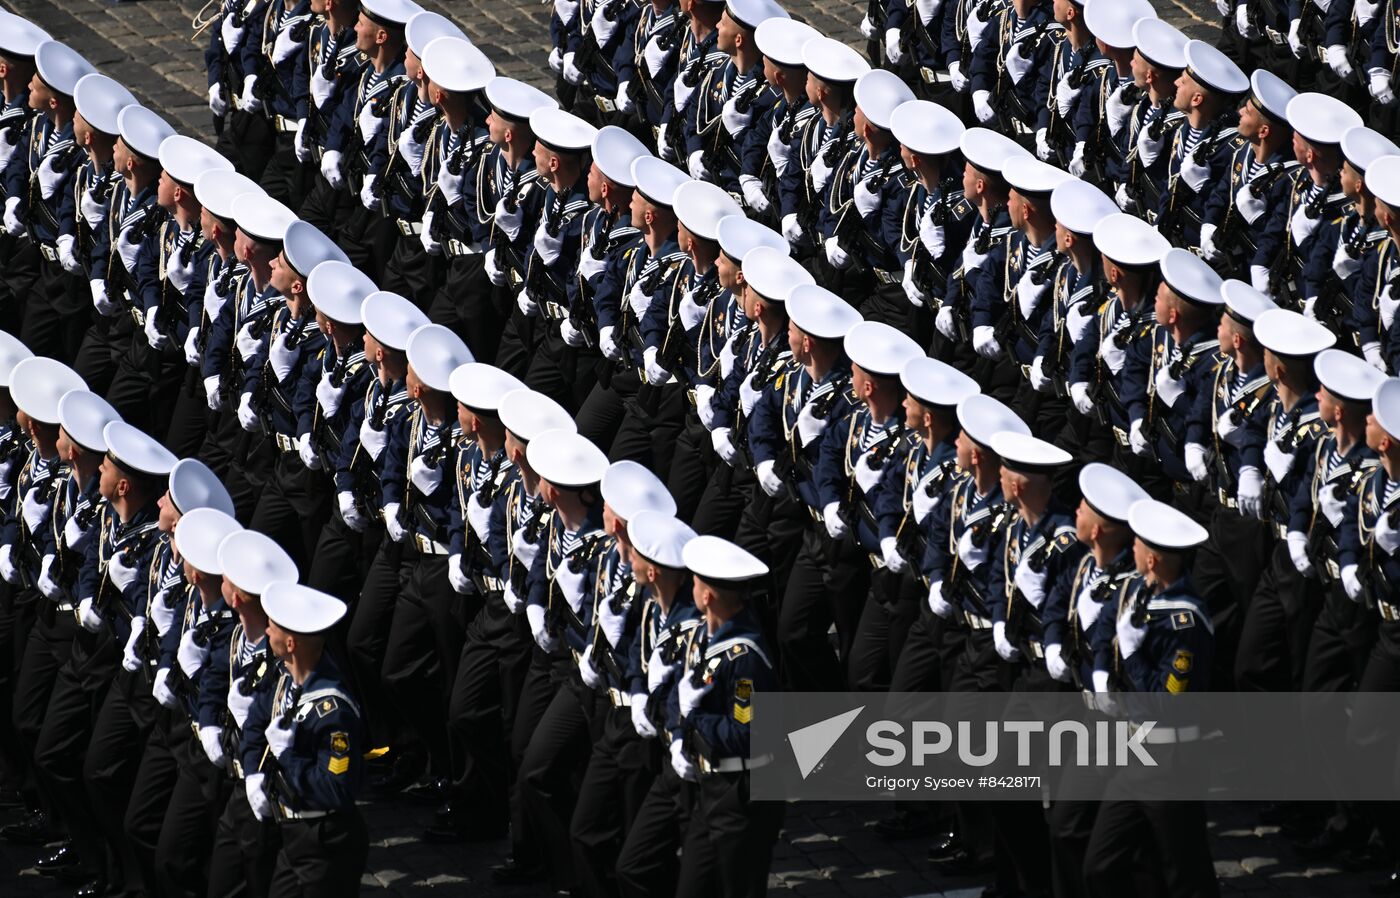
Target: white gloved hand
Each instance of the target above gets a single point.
(982, 106)
(680, 763)
(120, 575)
(367, 197)
(956, 77)
(1337, 60)
(972, 555)
(831, 517)
(612, 623)
(984, 341)
(640, 722)
(513, 601)
(1277, 461)
(916, 297)
(192, 354)
(556, 61)
(946, 322)
(1380, 88)
(392, 525)
(695, 164)
(772, 484)
(1351, 582)
(1298, 551)
(1387, 537)
(1333, 507)
(663, 146)
(279, 737)
(572, 336)
(607, 344)
(936, 603)
(1245, 28)
(892, 51)
(212, 397)
(160, 688)
(130, 662)
(1055, 663)
(571, 72)
(350, 512)
(1225, 6)
(249, 100)
(1249, 496)
(754, 197)
(211, 738)
(13, 226)
(1031, 583)
(586, 671)
(330, 169)
(299, 147)
(258, 802)
(46, 584)
(691, 695)
(658, 671)
(7, 565)
(66, 258)
(792, 228)
(655, 373)
(1130, 637)
(154, 337)
(1039, 382)
(838, 257)
(528, 307)
(1140, 446)
(1209, 252)
(1043, 151)
(1196, 462)
(1077, 166)
(1079, 395)
(218, 99)
(889, 549)
(191, 655)
(424, 476)
(247, 418)
(623, 101)
(307, 452)
(1005, 649)
(1372, 353)
(724, 445)
(90, 619)
(34, 510)
(543, 638)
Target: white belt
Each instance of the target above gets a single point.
(409, 228)
(289, 814)
(977, 621)
(619, 698)
(735, 765)
(284, 443)
(48, 252)
(427, 546)
(284, 125)
(458, 248)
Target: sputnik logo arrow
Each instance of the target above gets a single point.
(811, 743)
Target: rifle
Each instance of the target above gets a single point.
(958, 584)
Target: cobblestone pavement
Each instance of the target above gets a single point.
(826, 849)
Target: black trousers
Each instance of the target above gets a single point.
(651, 425)
(562, 372)
(293, 508)
(247, 141)
(78, 692)
(890, 610)
(929, 654)
(367, 237)
(415, 275)
(536, 694)
(600, 416)
(727, 492)
(483, 707)
(647, 865)
(20, 261)
(1226, 571)
(45, 650)
(693, 465)
(772, 528)
(240, 863)
(101, 349)
(321, 858)
(119, 737)
(57, 310)
(424, 643)
(327, 208)
(614, 788)
(151, 795)
(554, 758)
(190, 418)
(828, 584)
(198, 795)
(1171, 833)
(342, 559)
(284, 178)
(729, 840)
(1274, 640)
(146, 382)
(467, 304)
(367, 641)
